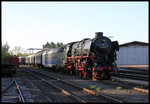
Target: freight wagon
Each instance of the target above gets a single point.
(10, 65)
(21, 60)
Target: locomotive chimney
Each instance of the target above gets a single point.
(98, 34)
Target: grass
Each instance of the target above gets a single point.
(121, 97)
(105, 91)
(92, 87)
(118, 88)
(139, 87)
(98, 89)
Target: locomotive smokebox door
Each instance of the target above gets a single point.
(98, 34)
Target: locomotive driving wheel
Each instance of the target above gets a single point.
(105, 75)
(102, 75)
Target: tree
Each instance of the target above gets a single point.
(52, 45)
(47, 45)
(16, 50)
(5, 52)
(19, 52)
(59, 44)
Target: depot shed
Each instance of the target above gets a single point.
(133, 53)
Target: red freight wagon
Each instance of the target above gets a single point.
(10, 64)
(13, 61)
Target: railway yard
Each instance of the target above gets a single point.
(74, 52)
(32, 84)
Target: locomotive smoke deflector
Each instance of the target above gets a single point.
(98, 34)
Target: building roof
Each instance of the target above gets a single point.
(134, 43)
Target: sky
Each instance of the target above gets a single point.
(32, 24)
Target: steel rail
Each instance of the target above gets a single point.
(19, 90)
(85, 89)
(4, 89)
(134, 72)
(132, 76)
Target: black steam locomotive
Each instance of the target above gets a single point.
(88, 58)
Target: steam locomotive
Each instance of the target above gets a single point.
(94, 58)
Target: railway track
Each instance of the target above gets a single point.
(133, 73)
(76, 92)
(138, 77)
(127, 84)
(40, 90)
(16, 96)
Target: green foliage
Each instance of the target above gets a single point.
(93, 87)
(105, 91)
(16, 50)
(47, 45)
(119, 87)
(139, 86)
(52, 45)
(121, 97)
(4, 52)
(98, 89)
(22, 54)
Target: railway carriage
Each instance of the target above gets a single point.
(29, 58)
(51, 58)
(32, 59)
(38, 58)
(60, 56)
(44, 57)
(54, 58)
(26, 60)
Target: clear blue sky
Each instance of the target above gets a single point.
(32, 24)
